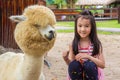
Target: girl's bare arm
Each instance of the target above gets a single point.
(98, 60)
(68, 56)
(71, 54)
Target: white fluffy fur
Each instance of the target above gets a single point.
(35, 35)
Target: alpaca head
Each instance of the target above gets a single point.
(35, 33)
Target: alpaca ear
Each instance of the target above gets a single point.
(17, 18)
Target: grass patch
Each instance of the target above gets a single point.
(108, 24)
(108, 33)
(65, 31)
(65, 23)
(102, 24)
(99, 32)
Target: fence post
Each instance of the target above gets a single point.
(41, 2)
(119, 14)
(0, 25)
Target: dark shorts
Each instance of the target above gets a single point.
(86, 71)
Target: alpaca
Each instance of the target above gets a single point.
(35, 35)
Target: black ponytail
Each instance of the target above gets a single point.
(86, 12)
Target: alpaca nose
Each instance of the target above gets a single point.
(51, 35)
(48, 32)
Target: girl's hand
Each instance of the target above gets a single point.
(81, 56)
(65, 55)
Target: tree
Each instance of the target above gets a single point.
(62, 3)
(58, 3)
(71, 3)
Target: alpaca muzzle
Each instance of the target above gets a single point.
(51, 35)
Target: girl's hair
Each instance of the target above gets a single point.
(86, 14)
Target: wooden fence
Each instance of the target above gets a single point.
(102, 14)
(8, 8)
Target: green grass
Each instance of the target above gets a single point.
(108, 24)
(102, 24)
(108, 33)
(65, 31)
(65, 23)
(99, 32)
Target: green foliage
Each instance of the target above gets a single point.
(49, 2)
(63, 2)
(59, 3)
(74, 1)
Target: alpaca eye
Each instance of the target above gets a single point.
(36, 25)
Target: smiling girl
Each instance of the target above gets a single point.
(85, 56)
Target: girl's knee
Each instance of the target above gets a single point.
(75, 70)
(90, 70)
(89, 65)
(74, 65)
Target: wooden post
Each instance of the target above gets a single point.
(0, 25)
(42, 2)
(119, 14)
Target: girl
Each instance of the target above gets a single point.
(85, 58)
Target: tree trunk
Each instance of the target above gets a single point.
(119, 14)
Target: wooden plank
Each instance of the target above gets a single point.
(0, 22)
(10, 13)
(8, 21)
(5, 27)
(4, 17)
(14, 12)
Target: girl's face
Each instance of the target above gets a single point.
(83, 27)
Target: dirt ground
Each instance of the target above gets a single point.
(58, 69)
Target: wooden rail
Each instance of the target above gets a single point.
(60, 13)
(69, 14)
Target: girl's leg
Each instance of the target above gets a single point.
(75, 70)
(90, 70)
